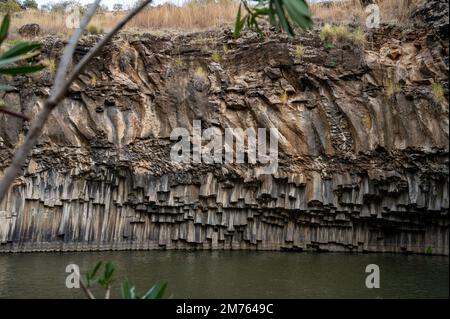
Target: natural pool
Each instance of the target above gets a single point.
(233, 274)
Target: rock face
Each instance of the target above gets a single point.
(362, 159)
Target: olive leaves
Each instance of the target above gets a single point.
(282, 14)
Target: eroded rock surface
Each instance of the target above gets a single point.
(363, 158)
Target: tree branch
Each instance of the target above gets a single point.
(15, 114)
(58, 93)
(70, 48)
(86, 290)
(108, 291)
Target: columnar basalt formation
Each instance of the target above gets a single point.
(362, 164)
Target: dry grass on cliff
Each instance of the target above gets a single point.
(192, 16)
(343, 12)
(200, 15)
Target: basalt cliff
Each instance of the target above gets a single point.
(363, 154)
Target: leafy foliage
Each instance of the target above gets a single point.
(155, 292)
(105, 280)
(9, 6)
(281, 14)
(19, 53)
(30, 4)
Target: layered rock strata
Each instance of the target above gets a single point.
(362, 159)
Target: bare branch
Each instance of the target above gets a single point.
(71, 46)
(22, 152)
(15, 114)
(57, 95)
(86, 290)
(108, 291)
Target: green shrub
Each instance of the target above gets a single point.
(105, 280)
(93, 29)
(334, 34)
(9, 6)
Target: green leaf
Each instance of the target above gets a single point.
(133, 292)
(20, 49)
(261, 11)
(126, 290)
(282, 17)
(96, 268)
(237, 23)
(90, 276)
(109, 270)
(299, 12)
(156, 292)
(4, 28)
(22, 69)
(272, 16)
(4, 62)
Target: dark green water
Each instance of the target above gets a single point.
(236, 274)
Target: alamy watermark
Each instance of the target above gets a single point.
(73, 279)
(373, 16)
(212, 146)
(373, 279)
(73, 17)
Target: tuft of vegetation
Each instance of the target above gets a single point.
(326, 33)
(200, 73)
(226, 49)
(333, 34)
(328, 45)
(367, 121)
(429, 250)
(105, 280)
(299, 52)
(94, 29)
(336, 34)
(93, 81)
(179, 61)
(341, 33)
(391, 88)
(284, 98)
(438, 92)
(50, 65)
(216, 57)
(359, 37)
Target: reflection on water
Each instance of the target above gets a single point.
(233, 274)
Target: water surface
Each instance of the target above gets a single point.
(233, 274)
